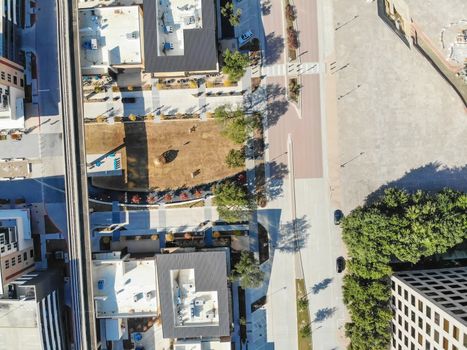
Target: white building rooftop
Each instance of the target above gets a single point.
(110, 36)
(11, 107)
(124, 287)
(174, 17)
(192, 307)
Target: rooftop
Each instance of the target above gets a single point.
(110, 36)
(11, 107)
(124, 287)
(196, 302)
(180, 36)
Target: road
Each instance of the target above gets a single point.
(297, 137)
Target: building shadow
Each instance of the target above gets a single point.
(137, 157)
(430, 177)
(384, 17)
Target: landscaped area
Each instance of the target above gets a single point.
(162, 156)
(303, 316)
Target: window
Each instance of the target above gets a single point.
(465, 340)
(13, 261)
(406, 326)
(428, 311)
(455, 332)
(15, 80)
(436, 336)
(393, 285)
(399, 320)
(427, 345)
(420, 339)
(3, 75)
(25, 256)
(412, 346)
(406, 341)
(31, 253)
(420, 306)
(399, 305)
(446, 326)
(7, 264)
(437, 318)
(427, 328)
(412, 332)
(420, 323)
(406, 295)
(445, 344)
(21, 82)
(406, 310)
(19, 258)
(399, 290)
(412, 300)
(454, 347)
(9, 78)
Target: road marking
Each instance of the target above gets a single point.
(292, 69)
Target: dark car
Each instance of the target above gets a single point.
(128, 99)
(338, 216)
(340, 264)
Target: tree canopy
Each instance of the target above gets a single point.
(235, 64)
(247, 271)
(233, 122)
(235, 158)
(232, 201)
(403, 226)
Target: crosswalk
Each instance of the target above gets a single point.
(291, 69)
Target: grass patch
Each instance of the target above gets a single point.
(303, 317)
(186, 205)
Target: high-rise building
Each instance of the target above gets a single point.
(430, 309)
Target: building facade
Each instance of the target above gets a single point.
(11, 95)
(430, 309)
(16, 246)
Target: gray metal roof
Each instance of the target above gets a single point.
(210, 275)
(200, 44)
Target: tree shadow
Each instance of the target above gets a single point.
(170, 155)
(293, 235)
(431, 177)
(321, 285)
(324, 313)
(271, 187)
(266, 8)
(274, 48)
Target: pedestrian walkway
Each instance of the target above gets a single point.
(292, 69)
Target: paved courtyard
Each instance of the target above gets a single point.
(399, 122)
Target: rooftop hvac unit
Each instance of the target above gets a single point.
(132, 35)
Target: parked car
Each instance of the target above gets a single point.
(338, 216)
(340, 264)
(245, 37)
(128, 99)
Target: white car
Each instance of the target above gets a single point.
(245, 37)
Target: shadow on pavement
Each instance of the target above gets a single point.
(321, 285)
(430, 177)
(294, 235)
(274, 48)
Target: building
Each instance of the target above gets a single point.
(11, 95)
(137, 298)
(194, 296)
(430, 309)
(16, 246)
(11, 14)
(111, 38)
(31, 316)
(180, 37)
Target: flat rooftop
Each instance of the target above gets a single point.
(11, 107)
(125, 288)
(195, 303)
(110, 36)
(180, 36)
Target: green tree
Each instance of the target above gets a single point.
(235, 64)
(305, 331)
(302, 303)
(233, 15)
(233, 122)
(401, 225)
(232, 201)
(235, 158)
(247, 271)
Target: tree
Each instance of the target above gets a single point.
(305, 330)
(401, 225)
(232, 202)
(302, 303)
(247, 271)
(233, 122)
(233, 15)
(235, 158)
(235, 64)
